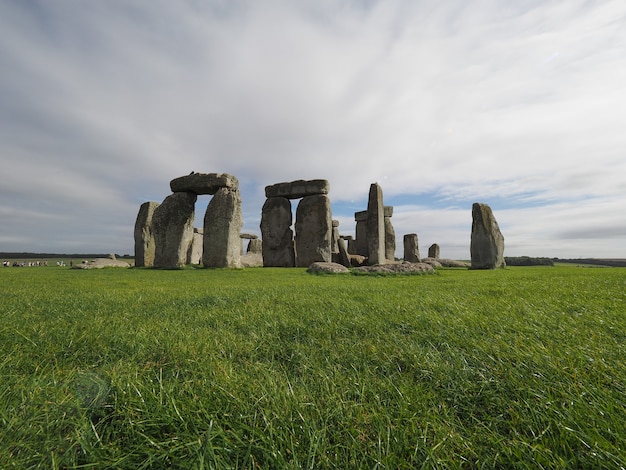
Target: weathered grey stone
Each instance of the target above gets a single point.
(194, 255)
(433, 251)
(313, 230)
(375, 226)
(390, 240)
(336, 237)
(388, 211)
(360, 216)
(144, 237)
(343, 257)
(400, 268)
(327, 267)
(255, 245)
(487, 242)
(252, 260)
(276, 234)
(360, 242)
(297, 189)
(222, 224)
(411, 248)
(172, 226)
(434, 262)
(248, 236)
(204, 183)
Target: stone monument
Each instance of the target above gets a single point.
(487, 242)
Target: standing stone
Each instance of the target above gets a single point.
(276, 233)
(172, 225)
(144, 237)
(411, 249)
(343, 257)
(313, 230)
(336, 236)
(433, 251)
(255, 246)
(222, 224)
(487, 242)
(360, 242)
(390, 240)
(375, 226)
(194, 255)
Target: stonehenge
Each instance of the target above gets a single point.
(167, 228)
(487, 242)
(165, 237)
(313, 225)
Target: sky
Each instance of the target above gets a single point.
(520, 105)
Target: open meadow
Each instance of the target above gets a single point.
(523, 367)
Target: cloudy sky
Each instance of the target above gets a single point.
(517, 104)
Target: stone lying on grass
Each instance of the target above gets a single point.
(404, 267)
(251, 260)
(325, 267)
(446, 263)
(100, 263)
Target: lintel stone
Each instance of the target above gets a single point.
(297, 189)
(204, 183)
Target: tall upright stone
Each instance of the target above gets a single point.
(194, 255)
(375, 226)
(390, 234)
(172, 224)
(411, 248)
(144, 236)
(360, 242)
(314, 227)
(336, 236)
(276, 233)
(434, 251)
(222, 224)
(487, 242)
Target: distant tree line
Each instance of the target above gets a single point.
(527, 261)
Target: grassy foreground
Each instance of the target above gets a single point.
(276, 368)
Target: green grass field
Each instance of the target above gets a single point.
(277, 368)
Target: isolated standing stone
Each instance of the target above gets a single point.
(314, 228)
(172, 225)
(144, 237)
(276, 233)
(375, 226)
(487, 242)
(433, 251)
(194, 255)
(411, 249)
(222, 224)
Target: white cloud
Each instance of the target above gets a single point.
(519, 103)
